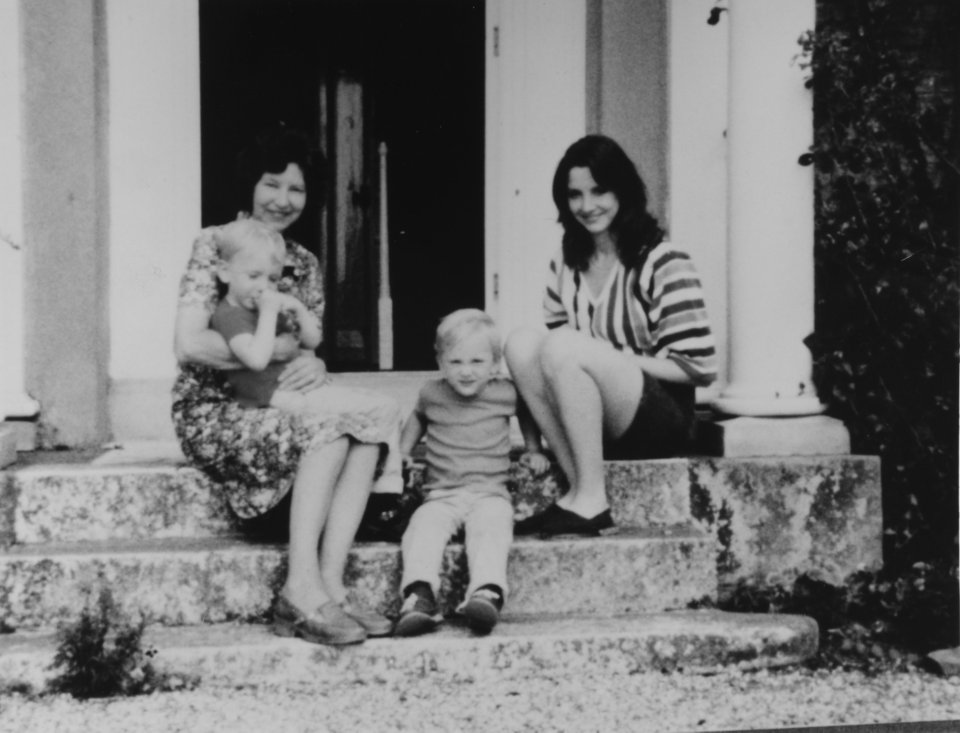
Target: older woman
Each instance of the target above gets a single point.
(627, 341)
(259, 456)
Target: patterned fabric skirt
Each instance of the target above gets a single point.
(254, 453)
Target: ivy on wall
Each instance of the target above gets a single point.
(885, 347)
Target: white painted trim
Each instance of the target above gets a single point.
(535, 108)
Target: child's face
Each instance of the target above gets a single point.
(248, 274)
(468, 365)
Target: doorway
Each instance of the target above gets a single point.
(354, 74)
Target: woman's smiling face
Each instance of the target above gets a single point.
(279, 198)
(593, 206)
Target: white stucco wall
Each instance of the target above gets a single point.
(154, 174)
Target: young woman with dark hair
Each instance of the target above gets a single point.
(627, 337)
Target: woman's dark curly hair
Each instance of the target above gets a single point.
(271, 152)
(634, 229)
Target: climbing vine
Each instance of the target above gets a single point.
(887, 172)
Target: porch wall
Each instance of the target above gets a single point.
(65, 219)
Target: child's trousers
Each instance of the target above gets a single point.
(486, 513)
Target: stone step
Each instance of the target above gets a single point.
(195, 581)
(773, 517)
(78, 502)
(234, 655)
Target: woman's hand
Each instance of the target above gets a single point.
(303, 374)
(285, 348)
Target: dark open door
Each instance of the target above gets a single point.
(353, 74)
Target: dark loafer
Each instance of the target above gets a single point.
(326, 625)
(555, 520)
(372, 622)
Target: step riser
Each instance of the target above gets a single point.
(689, 641)
(63, 505)
(607, 576)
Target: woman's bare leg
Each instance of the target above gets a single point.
(587, 389)
(346, 510)
(313, 492)
(522, 354)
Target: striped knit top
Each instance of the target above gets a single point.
(655, 309)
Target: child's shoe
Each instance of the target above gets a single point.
(482, 609)
(419, 613)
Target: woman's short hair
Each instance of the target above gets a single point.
(634, 228)
(272, 151)
(465, 322)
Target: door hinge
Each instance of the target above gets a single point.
(496, 41)
(496, 285)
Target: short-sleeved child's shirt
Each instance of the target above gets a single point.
(251, 388)
(467, 438)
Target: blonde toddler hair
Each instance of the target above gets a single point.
(465, 322)
(244, 234)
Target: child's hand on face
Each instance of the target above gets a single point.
(536, 462)
(271, 300)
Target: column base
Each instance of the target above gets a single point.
(8, 446)
(774, 436)
(24, 433)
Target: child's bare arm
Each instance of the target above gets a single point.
(255, 350)
(413, 430)
(310, 332)
(533, 455)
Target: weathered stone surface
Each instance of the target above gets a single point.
(8, 445)
(178, 582)
(776, 517)
(232, 655)
(771, 516)
(90, 502)
(85, 503)
(641, 493)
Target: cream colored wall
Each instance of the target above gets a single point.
(663, 95)
(154, 154)
(535, 107)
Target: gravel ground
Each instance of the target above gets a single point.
(548, 702)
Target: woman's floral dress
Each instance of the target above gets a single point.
(253, 453)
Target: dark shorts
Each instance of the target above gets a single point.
(662, 426)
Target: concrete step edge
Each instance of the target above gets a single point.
(241, 543)
(234, 654)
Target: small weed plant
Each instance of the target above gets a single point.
(102, 655)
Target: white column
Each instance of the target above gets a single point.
(14, 401)
(770, 283)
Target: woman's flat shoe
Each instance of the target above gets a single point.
(326, 625)
(372, 622)
(555, 520)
